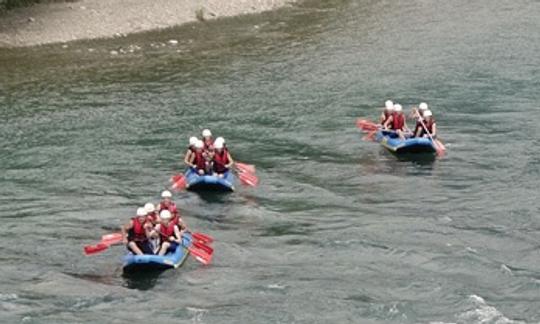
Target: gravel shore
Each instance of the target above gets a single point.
(87, 19)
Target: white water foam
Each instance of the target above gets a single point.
(199, 313)
(7, 297)
(482, 313)
(276, 286)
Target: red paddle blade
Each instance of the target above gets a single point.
(200, 256)
(249, 179)
(245, 167)
(366, 125)
(370, 136)
(204, 247)
(180, 183)
(176, 177)
(113, 241)
(439, 150)
(204, 238)
(93, 249)
(441, 145)
(112, 237)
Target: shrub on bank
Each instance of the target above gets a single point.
(10, 4)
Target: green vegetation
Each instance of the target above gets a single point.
(10, 4)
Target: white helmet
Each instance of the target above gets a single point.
(141, 212)
(199, 144)
(428, 113)
(193, 140)
(218, 145)
(149, 207)
(166, 194)
(398, 108)
(220, 139)
(165, 214)
(389, 105)
(206, 133)
(423, 106)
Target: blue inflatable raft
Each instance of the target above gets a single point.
(394, 144)
(197, 182)
(173, 259)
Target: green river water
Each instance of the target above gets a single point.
(339, 230)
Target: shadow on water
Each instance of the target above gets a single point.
(284, 229)
(102, 279)
(424, 159)
(142, 278)
(214, 196)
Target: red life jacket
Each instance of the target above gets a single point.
(386, 116)
(417, 127)
(152, 217)
(398, 121)
(176, 219)
(172, 208)
(221, 160)
(139, 233)
(199, 161)
(166, 231)
(208, 142)
(429, 125)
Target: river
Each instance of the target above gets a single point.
(339, 230)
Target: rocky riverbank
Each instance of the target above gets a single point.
(88, 19)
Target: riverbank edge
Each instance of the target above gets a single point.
(50, 23)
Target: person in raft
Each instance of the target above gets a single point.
(430, 124)
(197, 161)
(191, 149)
(397, 122)
(418, 115)
(387, 112)
(169, 232)
(151, 213)
(222, 158)
(207, 138)
(166, 203)
(152, 216)
(208, 155)
(136, 233)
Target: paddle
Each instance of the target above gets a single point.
(246, 173)
(179, 181)
(367, 126)
(93, 249)
(200, 251)
(370, 136)
(439, 147)
(200, 254)
(248, 179)
(204, 247)
(106, 241)
(114, 237)
(204, 238)
(117, 237)
(248, 168)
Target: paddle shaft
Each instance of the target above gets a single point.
(438, 148)
(200, 255)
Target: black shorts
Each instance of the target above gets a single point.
(172, 247)
(145, 247)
